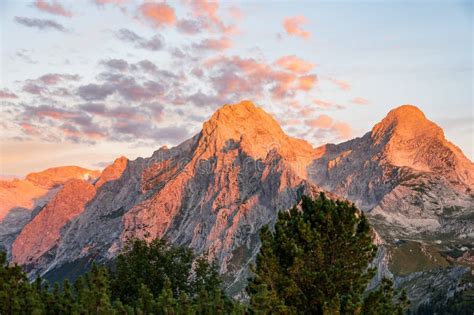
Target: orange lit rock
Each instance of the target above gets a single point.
(44, 231)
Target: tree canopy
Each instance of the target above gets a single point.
(316, 260)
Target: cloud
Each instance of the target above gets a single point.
(307, 82)
(190, 27)
(52, 7)
(292, 26)
(343, 130)
(343, 85)
(29, 129)
(158, 14)
(208, 11)
(93, 108)
(7, 94)
(219, 44)
(155, 43)
(24, 54)
(95, 92)
(327, 104)
(360, 101)
(116, 64)
(295, 64)
(33, 88)
(54, 78)
(322, 121)
(326, 126)
(41, 24)
(235, 78)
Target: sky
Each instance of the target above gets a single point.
(84, 82)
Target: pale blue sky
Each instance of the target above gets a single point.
(388, 52)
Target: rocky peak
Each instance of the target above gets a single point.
(68, 203)
(253, 130)
(113, 171)
(406, 138)
(406, 122)
(59, 175)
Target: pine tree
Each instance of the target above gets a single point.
(166, 304)
(316, 259)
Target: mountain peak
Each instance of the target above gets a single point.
(241, 117)
(241, 122)
(253, 130)
(407, 110)
(58, 175)
(406, 122)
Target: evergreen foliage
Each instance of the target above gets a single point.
(316, 262)
(147, 278)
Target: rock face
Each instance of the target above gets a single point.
(20, 200)
(68, 203)
(213, 192)
(216, 190)
(409, 178)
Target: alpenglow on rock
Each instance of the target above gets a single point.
(216, 190)
(406, 174)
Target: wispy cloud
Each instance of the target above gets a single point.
(52, 7)
(326, 126)
(154, 43)
(360, 101)
(218, 44)
(295, 64)
(343, 85)
(42, 24)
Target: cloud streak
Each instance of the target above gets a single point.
(52, 7)
(154, 43)
(41, 24)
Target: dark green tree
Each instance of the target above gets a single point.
(316, 260)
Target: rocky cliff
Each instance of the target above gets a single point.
(21, 200)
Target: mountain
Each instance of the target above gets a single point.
(216, 190)
(20, 200)
(410, 179)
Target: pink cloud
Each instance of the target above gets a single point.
(7, 94)
(327, 104)
(343, 130)
(209, 11)
(158, 14)
(360, 101)
(292, 26)
(219, 44)
(326, 126)
(29, 129)
(343, 85)
(306, 111)
(252, 78)
(307, 82)
(52, 7)
(295, 64)
(322, 121)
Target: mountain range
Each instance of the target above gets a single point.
(215, 191)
